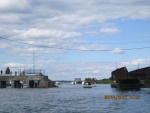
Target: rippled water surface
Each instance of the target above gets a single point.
(73, 99)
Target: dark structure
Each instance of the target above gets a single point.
(141, 74)
(129, 80)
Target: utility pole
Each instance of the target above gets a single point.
(116, 65)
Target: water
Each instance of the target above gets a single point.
(72, 99)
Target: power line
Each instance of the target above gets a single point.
(147, 41)
(44, 46)
(118, 43)
(137, 48)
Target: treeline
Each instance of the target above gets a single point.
(7, 71)
(145, 81)
(102, 81)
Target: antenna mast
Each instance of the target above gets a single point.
(116, 65)
(33, 63)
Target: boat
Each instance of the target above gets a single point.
(93, 84)
(57, 84)
(83, 82)
(73, 83)
(87, 85)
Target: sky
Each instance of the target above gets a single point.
(71, 39)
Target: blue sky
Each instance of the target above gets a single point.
(74, 39)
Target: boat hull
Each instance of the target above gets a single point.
(87, 86)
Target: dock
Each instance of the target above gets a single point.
(28, 81)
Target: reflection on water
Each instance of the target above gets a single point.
(73, 99)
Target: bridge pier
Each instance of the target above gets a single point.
(17, 84)
(34, 83)
(129, 84)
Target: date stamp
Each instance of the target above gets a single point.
(121, 97)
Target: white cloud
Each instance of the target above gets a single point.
(33, 32)
(59, 24)
(136, 62)
(60, 70)
(7, 4)
(71, 14)
(13, 65)
(71, 70)
(93, 47)
(109, 30)
(118, 51)
(28, 51)
(3, 45)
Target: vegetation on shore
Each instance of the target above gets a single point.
(110, 81)
(102, 81)
(146, 83)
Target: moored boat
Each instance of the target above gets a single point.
(87, 85)
(93, 84)
(57, 84)
(83, 82)
(73, 83)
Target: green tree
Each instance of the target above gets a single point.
(7, 70)
(88, 79)
(93, 79)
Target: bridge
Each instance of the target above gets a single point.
(130, 80)
(141, 74)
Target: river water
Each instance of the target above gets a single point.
(74, 99)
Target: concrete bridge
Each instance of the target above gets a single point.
(29, 81)
(130, 80)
